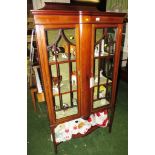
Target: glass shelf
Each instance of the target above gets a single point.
(67, 112)
(100, 103)
(105, 54)
(62, 58)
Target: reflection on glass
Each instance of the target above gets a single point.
(68, 107)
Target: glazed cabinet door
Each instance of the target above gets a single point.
(59, 54)
(105, 63)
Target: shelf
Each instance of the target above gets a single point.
(106, 54)
(100, 103)
(67, 112)
(61, 60)
(105, 84)
(57, 94)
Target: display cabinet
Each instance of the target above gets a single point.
(79, 52)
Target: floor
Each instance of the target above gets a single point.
(98, 142)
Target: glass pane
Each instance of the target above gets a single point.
(105, 41)
(70, 34)
(68, 108)
(99, 34)
(104, 51)
(61, 44)
(61, 48)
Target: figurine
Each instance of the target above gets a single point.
(74, 101)
(64, 56)
(55, 89)
(97, 50)
(101, 75)
(96, 80)
(57, 80)
(65, 106)
(102, 92)
(54, 50)
(73, 77)
(72, 50)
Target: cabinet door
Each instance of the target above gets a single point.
(103, 64)
(62, 55)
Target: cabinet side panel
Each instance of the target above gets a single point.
(116, 63)
(45, 71)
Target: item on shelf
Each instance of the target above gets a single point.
(102, 47)
(102, 91)
(65, 106)
(101, 73)
(73, 77)
(111, 44)
(64, 56)
(54, 58)
(57, 107)
(96, 80)
(97, 49)
(73, 50)
(61, 50)
(57, 80)
(74, 101)
(55, 89)
(54, 52)
(106, 47)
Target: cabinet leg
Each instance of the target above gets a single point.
(54, 142)
(110, 128)
(33, 90)
(55, 147)
(111, 119)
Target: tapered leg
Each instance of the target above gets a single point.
(111, 119)
(54, 142)
(33, 91)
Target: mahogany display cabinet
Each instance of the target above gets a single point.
(79, 53)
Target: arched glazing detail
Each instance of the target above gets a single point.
(61, 48)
